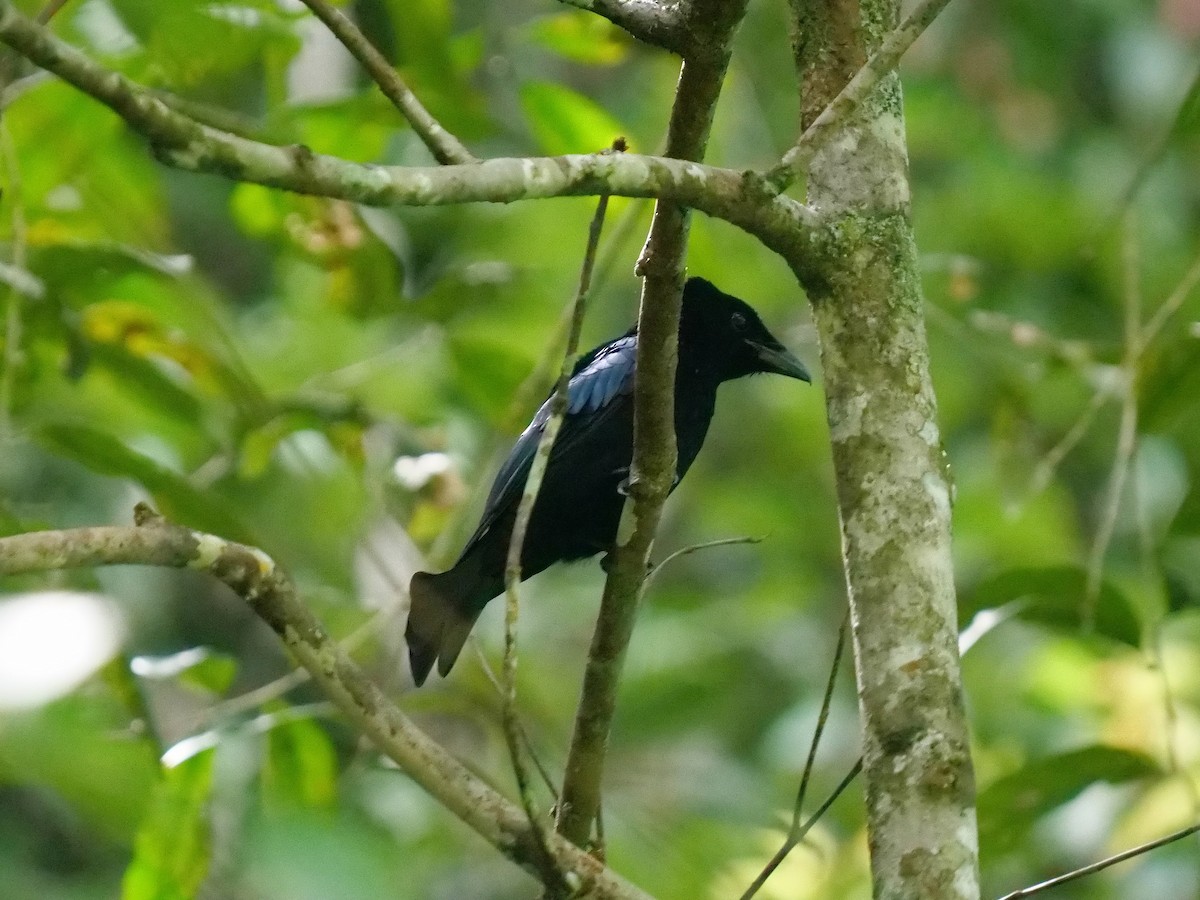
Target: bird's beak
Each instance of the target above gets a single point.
(778, 360)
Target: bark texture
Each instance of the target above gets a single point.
(893, 494)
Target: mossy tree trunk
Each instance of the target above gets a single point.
(894, 497)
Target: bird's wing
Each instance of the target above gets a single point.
(594, 393)
(600, 379)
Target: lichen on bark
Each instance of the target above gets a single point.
(892, 492)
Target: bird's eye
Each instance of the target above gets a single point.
(738, 321)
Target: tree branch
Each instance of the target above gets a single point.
(650, 21)
(652, 471)
(743, 198)
(255, 577)
(796, 161)
(444, 146)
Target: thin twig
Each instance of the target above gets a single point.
(695, 548)
(272, 690)
(494, 681)
(1027, 336)
(881, 62)
(12, 307)
(822, 720)
(444, 146)
(1044, 471)
(797, 832)
(1127, 431)
(1104, 863)
(1125, 449)
(1153, 156)
(254, 698)
(533, 484)
(50, 10)
(217, 117)
(1171, 305)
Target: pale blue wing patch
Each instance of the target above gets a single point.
(606, 377)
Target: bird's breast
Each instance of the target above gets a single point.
(693, 413)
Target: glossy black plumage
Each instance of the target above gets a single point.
(579, 505)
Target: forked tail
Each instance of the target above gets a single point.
(443, 611)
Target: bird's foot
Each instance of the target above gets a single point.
(625, 485)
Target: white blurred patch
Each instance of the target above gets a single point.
(308, 451)
(414, 472)
(323, 70)
(163, 668)
(984, 621)
(51, 642)
(103, 28)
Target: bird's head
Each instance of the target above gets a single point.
(724, 335)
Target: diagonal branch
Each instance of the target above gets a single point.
(796, 161)
(1127, 431)
(650, 21)
(742, 198)
(444, 146)
(1104, 863)
(254, 576)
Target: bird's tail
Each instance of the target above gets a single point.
(441, 615)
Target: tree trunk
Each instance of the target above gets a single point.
(893, 493)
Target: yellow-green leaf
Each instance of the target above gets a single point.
(567, 122)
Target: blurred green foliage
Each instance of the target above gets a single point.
(254, 362)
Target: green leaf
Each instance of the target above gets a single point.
(1170, 390)
(176, 497)
(172, 848)
(1011, 805)
(146, 380)
(258, 210)
(564, 121)
(79, 747)
(301, 766)
(357, 127)
(1054, 596)
(116, 198)
(199, 41)
(580, 36)
(422, 30)
(64, 257)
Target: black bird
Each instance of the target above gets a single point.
(580, 501)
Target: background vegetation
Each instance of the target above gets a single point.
(254, 363)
